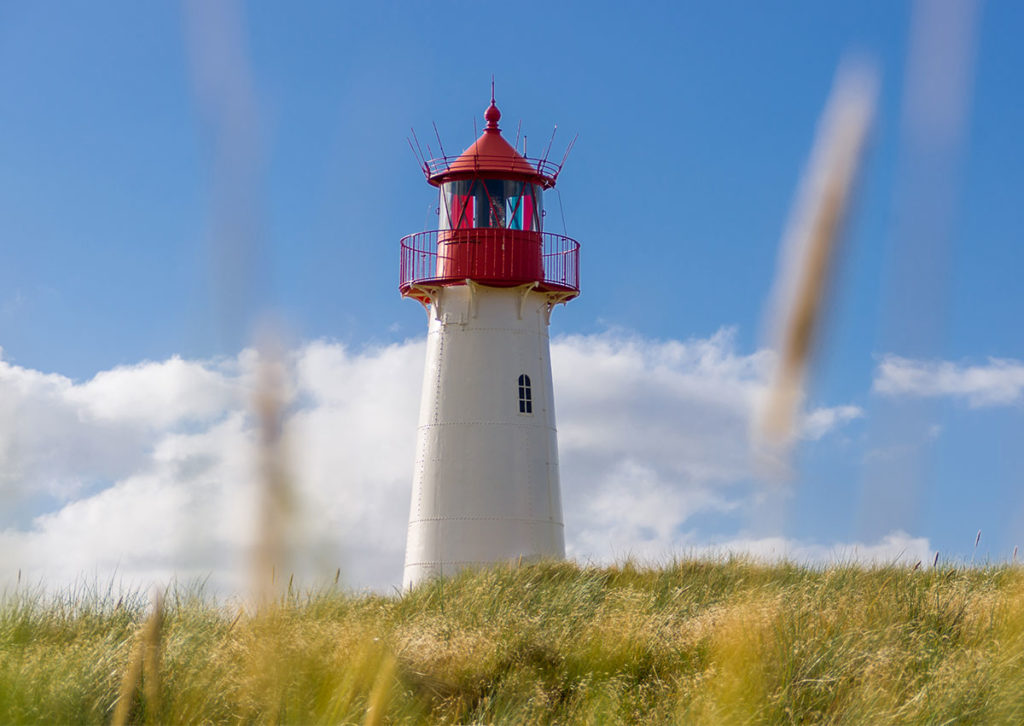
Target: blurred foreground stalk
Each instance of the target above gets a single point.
(144, 663)
(808, 249)
(271, 553)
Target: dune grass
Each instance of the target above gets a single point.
(723, 642)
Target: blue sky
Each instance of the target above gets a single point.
(170, 173)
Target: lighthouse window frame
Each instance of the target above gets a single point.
(491, 204)
(525, 395)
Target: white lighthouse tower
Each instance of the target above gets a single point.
(485, 487)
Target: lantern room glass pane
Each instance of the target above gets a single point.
(491, 203)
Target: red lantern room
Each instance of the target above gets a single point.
(491, 224)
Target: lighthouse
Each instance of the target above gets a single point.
(485, 483)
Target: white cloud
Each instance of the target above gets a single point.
(160, 395)
(820, 421)
(149, 470)
(46, 445)
(895, 548)
(998, 383)
(652, 433)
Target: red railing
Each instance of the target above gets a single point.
(544, 167)
(492, 256)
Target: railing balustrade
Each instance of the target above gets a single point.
(490, 255)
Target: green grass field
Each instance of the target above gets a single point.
(726, 642)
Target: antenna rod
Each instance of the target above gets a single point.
(417, 157)
(418, 146)
(443, 155)
(566, 155)
(553, 132)
(518, 129)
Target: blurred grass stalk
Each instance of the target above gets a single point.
(806, 255)
(917, 277)
(143, 663)
(277, 506)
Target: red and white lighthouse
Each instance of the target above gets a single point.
(485, 487)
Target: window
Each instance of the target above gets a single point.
(491, 203)
(525, 395)
(519, 208)
(461, 212)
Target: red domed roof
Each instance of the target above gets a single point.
(489, 156)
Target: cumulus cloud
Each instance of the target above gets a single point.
(160, 395)
(821, 421)
(149, 472)
(895, 548)
(998, 383)
(652, 433)
(46, 446)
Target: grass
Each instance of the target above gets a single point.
(716, 642)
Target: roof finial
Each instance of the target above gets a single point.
(492, 114)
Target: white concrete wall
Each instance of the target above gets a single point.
(485, 487)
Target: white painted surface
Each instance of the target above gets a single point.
(485, 487)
